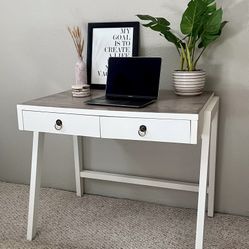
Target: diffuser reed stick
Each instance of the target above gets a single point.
(77, 39)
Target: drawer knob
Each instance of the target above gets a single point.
(142, 130)
(58, 124)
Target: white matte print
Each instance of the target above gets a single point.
(109, 42)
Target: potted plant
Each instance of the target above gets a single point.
(201, 25)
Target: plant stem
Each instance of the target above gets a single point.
(190, 65)
(184, 55)
(182, 62)
(178, 50)
(199, 57)
(193, 54)
(184, 38)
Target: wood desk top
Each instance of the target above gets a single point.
(168, 102)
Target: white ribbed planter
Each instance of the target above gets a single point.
(189, 82)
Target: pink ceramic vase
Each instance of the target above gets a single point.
(80, 72)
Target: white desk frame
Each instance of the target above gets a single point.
(208, 129)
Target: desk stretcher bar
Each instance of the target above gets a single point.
(138, 180)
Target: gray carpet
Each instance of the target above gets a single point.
(67, 221)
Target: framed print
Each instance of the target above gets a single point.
(116, 39)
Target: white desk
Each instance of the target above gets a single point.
(171, 119)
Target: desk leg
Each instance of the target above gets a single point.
(77, 143)
(202, 188)
(210, 119)
(212, 165)
(35, 182)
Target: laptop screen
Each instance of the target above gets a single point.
(133, 77)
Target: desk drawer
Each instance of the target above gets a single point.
(160, 130)
(71, 124)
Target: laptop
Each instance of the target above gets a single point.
(131, 82)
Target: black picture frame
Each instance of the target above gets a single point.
(109, 39)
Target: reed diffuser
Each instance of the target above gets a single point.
(80, 88)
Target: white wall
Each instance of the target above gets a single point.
(37, 58)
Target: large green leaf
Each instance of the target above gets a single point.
(211, 8)
(156, 23)
(169, 36)
(146, 17)
(212, 28)
(192, 17)
(222, 26)
(160, 25)
(209, 2)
